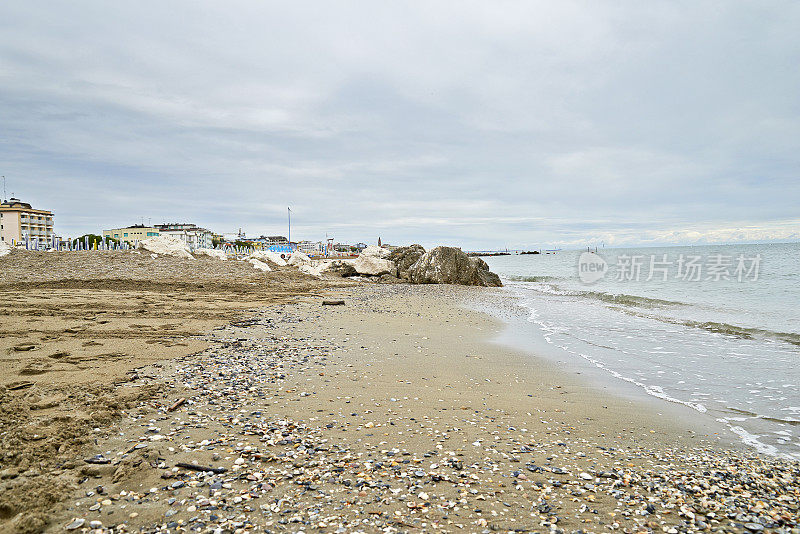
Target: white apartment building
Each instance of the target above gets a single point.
(19, 221)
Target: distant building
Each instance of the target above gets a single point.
(19, 221)
(132, 234)
(277, 240)
(311, 247)
(360, 246)
(191, 234)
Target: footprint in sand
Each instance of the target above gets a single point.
(23, 347)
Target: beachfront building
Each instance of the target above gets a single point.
(191, 234)
(277, 240)
(19, 222)
(132, 234)
(311, 247)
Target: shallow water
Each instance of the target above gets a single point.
(723, 341)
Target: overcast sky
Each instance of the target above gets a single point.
(479, 124)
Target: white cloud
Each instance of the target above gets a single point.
(483, 124)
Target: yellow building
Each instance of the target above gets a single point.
(132, 234)
(18, 221)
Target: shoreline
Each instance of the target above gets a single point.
(515, 334)
(397, 411)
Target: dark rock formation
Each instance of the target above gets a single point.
(448, 265)
(342, 268)
(404, 258)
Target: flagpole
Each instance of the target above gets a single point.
(289, 212)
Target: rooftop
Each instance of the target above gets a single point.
(16, 203)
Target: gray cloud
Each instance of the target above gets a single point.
(477, 124)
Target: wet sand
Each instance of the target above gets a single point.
(396, 412)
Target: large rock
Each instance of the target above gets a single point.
(5, 248)
(258, 264)
(340, 267)
(374, 266)
(298, 258)
(269, 256)
(329, 267)
(311, 270)
(166, 245)
(448, 265)
(404, 258)
(377, 252)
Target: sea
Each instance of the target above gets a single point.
(714, 329)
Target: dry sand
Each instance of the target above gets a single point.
(74, 325)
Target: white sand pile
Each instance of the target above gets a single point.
(5, 248)
(376, 252)
(211, 252)
(270, 256)
(166, 245)
(313, 271)
(298, 258)
(258, 264)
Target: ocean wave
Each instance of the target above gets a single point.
(516, 278)
(621, 299)
(745, 333)
(792, 422)
(726, 329)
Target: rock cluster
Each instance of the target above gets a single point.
(405, 257)
(449, 265)
(442, 265)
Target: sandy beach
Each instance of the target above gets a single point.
(73, 327)
(394, 412)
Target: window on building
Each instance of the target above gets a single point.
(125, 234)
